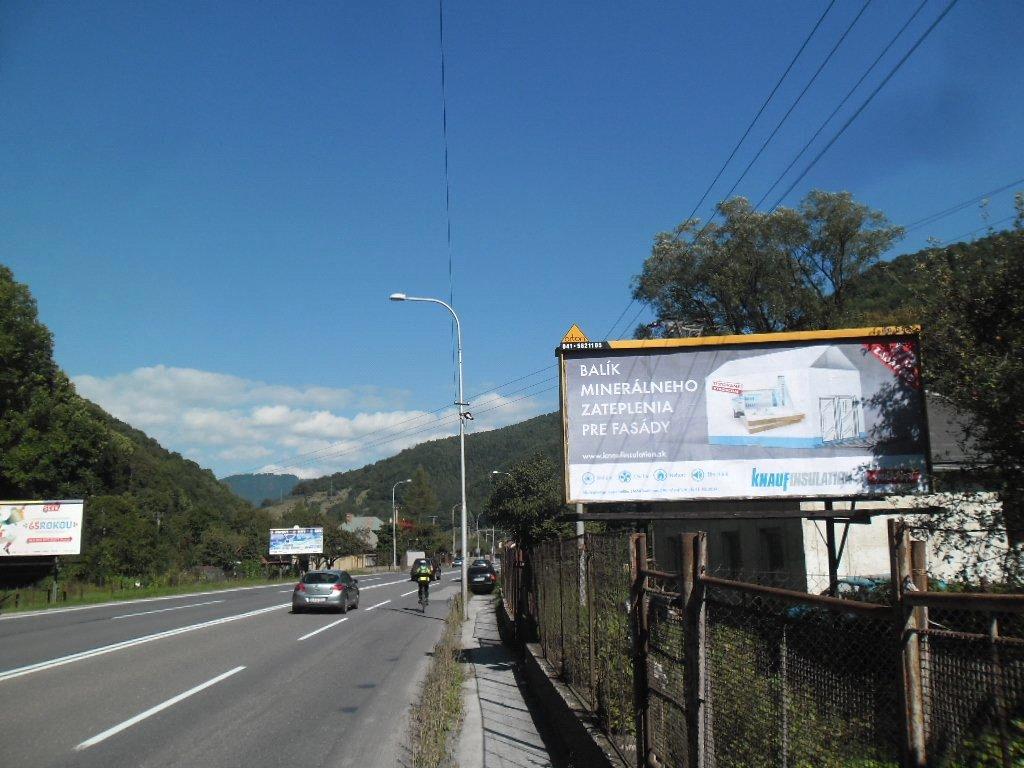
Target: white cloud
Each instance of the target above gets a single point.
(230, 424)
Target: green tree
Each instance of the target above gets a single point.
(973, 348)
(762, 272)
(419, 500)
(528, 502)
(51, 446)
(221, 547)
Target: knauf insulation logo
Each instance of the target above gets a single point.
(785, 480)
(769, 479)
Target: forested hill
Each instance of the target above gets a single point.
(367, 491)
(256, 488)
(148, 511)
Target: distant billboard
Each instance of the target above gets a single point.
(296, 541)
(50, 528)
(824, 414)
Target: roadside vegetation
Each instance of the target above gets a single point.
(82, 593)
(435, 718)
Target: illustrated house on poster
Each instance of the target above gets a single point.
(800, 398)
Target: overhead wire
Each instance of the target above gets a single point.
(932, 218)
(447, 188)
(846, 98)
(314, 455)
(866, 102)
(743, 138)
(761, 109)
(797, 100)
(990, 225)
(448, 421)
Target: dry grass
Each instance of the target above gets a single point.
(436, 716)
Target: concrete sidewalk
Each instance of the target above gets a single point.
(498, 730)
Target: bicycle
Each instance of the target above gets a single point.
(423, 582)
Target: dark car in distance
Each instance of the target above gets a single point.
(435, 572)
(482, 577)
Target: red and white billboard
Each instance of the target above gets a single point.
(40, 528)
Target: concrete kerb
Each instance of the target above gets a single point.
(582, 743)
(470, 748)
(499, 729)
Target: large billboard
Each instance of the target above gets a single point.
(296, 541)
(824, 414)
(29, 528)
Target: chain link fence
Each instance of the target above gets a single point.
(696, 670)
(572, 596)
(789, 683)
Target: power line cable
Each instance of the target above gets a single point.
(796, 101)
(764, 104)
(932, 218)
(990, 225)
(412, 432)
(418, 417)
(867, 101)
(326, 451)
(742, 138)
(608, 333)
(842, 103)
(447, 186)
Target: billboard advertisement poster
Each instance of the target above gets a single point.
(296, 541)
(44, 528)
(803, 415)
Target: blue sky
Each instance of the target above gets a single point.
(212, 201)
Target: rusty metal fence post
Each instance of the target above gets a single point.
(907, 617)
(639, 633)
(693, 562)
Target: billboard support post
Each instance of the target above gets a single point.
(53, 589)
(833, 557)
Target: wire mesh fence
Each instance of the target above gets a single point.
(792, 683)
(703, 671)
(972, 681)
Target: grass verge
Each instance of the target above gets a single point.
(35, 599)
(436, 716)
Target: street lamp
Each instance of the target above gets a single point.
(394, 515)
(498, 472)
(464, 415)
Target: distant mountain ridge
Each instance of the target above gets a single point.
(256, 488)
(367, 490)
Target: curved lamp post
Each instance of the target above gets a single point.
(464, 415)
(394, 518)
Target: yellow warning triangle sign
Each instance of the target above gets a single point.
(574, 336)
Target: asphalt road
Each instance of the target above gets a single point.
(218, 679)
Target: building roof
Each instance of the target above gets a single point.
(818, 356)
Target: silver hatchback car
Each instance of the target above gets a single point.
(334, 590)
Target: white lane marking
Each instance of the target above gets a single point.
(385, 584)
(410, 592)
(378, 605)
(153, 710)
(283, 591)
(61, 661)
(322, 629)
(52, 611)
(164, 610)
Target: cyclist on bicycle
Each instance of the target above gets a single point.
(424, 573)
